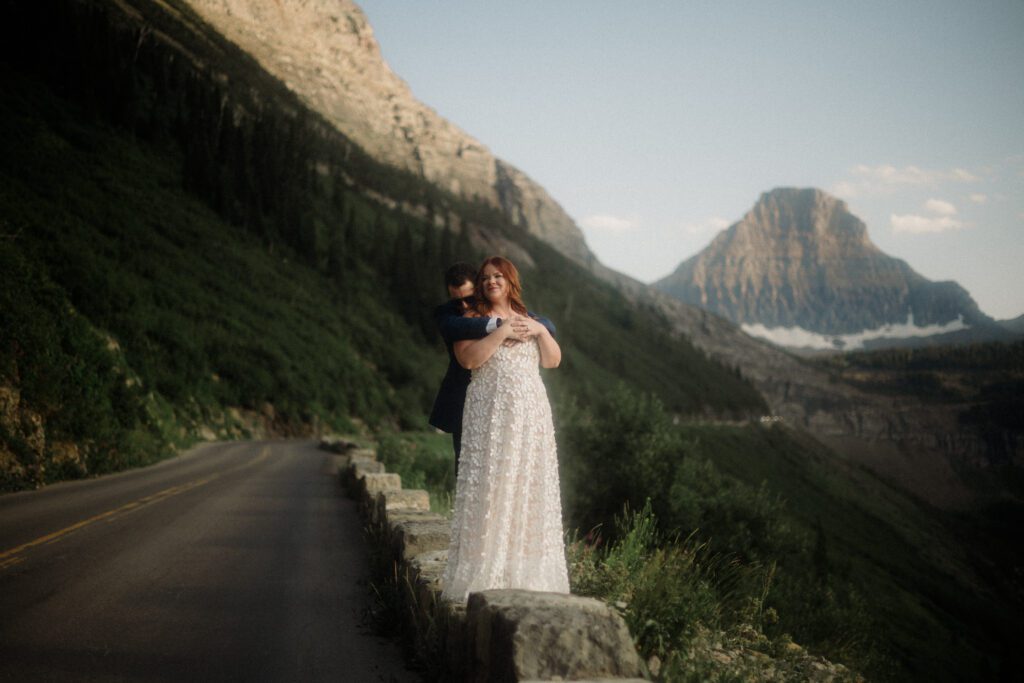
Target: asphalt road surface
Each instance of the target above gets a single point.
(236, 561)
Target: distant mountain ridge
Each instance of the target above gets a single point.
(1015, 325)
(800, 270)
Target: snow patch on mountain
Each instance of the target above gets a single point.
(799, 338)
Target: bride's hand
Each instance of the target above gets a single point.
(527, 327)
(512, 333)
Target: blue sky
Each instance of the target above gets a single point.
(657, 124)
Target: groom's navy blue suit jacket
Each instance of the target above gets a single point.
(451, 399)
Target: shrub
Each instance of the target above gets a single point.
(667, 589)
(623, 451)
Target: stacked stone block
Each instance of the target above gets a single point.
(501, 635)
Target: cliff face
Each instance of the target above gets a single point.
(325, 52)
(800, 259)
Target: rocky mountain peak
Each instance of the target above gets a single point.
(800, 269)
(326, 53)
(805, 213)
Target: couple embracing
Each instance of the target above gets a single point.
(507, 522)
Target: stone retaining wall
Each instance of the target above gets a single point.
(501, 635)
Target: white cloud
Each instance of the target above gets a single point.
(915, 224)
(883, 179)
(941, 219)
(940, 207)
(964, 176)
(844, 188)
(910, 175)
(712, 224)
(608, 223)
(978, 198)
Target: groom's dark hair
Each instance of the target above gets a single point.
(459, 273)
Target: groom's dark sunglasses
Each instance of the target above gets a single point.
(467, 301)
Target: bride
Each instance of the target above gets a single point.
(507, 523)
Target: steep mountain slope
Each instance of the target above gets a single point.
(326, 53)
(800, 270)
(1015, 325)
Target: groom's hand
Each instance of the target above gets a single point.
(521, 327)
(528, 328)
(511, 332)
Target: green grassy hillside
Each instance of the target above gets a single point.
(237, 266)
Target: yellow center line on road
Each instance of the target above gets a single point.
(10, 557)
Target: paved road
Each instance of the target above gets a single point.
(233, 562)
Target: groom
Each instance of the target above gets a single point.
(451, 398)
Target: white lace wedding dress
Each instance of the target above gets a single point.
(507, 524)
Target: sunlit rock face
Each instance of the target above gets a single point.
(800, 270)
(326, 53)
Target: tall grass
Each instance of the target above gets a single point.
(696, 615)
(667, 588)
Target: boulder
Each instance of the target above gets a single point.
(452, 622)
(399, 500)
(336, 444)
(425, 571)
(371, 484)
(422, 591)
(362, 454)
(417, 536)
(396, 517)
(517, 635)
(361, 469)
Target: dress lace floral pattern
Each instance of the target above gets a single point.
(507, 524)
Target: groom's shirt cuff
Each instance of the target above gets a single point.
(492, 325)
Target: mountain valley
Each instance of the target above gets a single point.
(211, 229)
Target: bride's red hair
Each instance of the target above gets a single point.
(515, 288)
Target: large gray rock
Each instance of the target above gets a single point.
(361, 468)
(517, 635)
(336, 444)
(405, 500)
(451, 617)
(596, 680)
(397, 517)
(426, 569)
(371, 484)
(414, 537)
(362, 454)
(422, 590)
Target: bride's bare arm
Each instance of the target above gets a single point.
(550, 351)
(472, 353)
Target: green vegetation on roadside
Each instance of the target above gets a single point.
(749, 537)
(696, 615)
